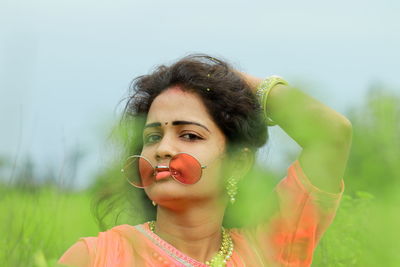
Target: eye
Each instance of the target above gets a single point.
(151, 138)
(191, 137)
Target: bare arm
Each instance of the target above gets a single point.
(324, 134)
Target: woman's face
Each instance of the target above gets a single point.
(178, 121)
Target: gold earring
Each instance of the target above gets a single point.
(231, 189)
(154, 203)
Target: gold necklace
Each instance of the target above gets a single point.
(225, 251)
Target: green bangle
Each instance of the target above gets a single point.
(262, 93)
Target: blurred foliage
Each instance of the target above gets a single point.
(365, 230)
(375, 155)
(41, 216)
(38, 226)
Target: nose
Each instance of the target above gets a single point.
(165, 149)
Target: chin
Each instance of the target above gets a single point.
(168, 190)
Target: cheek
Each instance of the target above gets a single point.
(214, 176)
(146, 190)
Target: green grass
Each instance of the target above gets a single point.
(364, 233)
(36, 228)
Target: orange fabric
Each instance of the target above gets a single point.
(289, 239)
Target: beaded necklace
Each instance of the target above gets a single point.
(225, 251)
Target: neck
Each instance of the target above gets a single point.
(196, 231)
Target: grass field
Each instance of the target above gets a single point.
(37, 227)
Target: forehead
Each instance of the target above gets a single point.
(176, 104)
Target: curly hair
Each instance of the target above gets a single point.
(228, 100)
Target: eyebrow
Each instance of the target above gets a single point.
(175, 123)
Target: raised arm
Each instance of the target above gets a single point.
(324, 134)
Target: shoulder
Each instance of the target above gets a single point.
(296, 185)
(78, 254)
(95, 249)
(290, 235)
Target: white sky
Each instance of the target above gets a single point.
(64, 65)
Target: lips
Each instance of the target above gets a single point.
(162, 175)
(162, 172)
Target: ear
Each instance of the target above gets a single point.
(243, 161)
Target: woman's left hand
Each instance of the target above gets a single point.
(252, 81)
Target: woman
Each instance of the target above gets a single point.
(204, 121)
